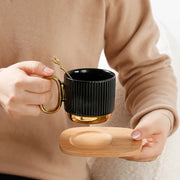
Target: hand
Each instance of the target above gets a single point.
(153, 129)
(21, 93)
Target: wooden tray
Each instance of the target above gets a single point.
(99, 142)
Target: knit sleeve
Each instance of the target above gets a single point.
(130, 47)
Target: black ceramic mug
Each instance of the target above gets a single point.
(88, 95)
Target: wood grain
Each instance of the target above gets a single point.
(99, 142)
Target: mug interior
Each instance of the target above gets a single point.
(91, 74)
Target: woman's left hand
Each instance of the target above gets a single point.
(153, 129)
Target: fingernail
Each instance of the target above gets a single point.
(136, 135)
(48, 70)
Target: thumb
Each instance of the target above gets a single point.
(147, 126)
(36, 68)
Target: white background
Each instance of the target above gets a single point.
(168, 12)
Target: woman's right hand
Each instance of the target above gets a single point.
(22, 88)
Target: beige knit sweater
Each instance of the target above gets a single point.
(76, 32)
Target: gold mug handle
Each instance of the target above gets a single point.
(60, 95)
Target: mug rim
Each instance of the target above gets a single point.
(92, 81)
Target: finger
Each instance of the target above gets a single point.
(150, 150)
(35, 67)
(37, 84)
(141, 160)
(36, 99)
(32, 110)
(147, 126)
(142, 157)
(25, 110)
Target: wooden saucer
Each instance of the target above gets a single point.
(99, 142)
